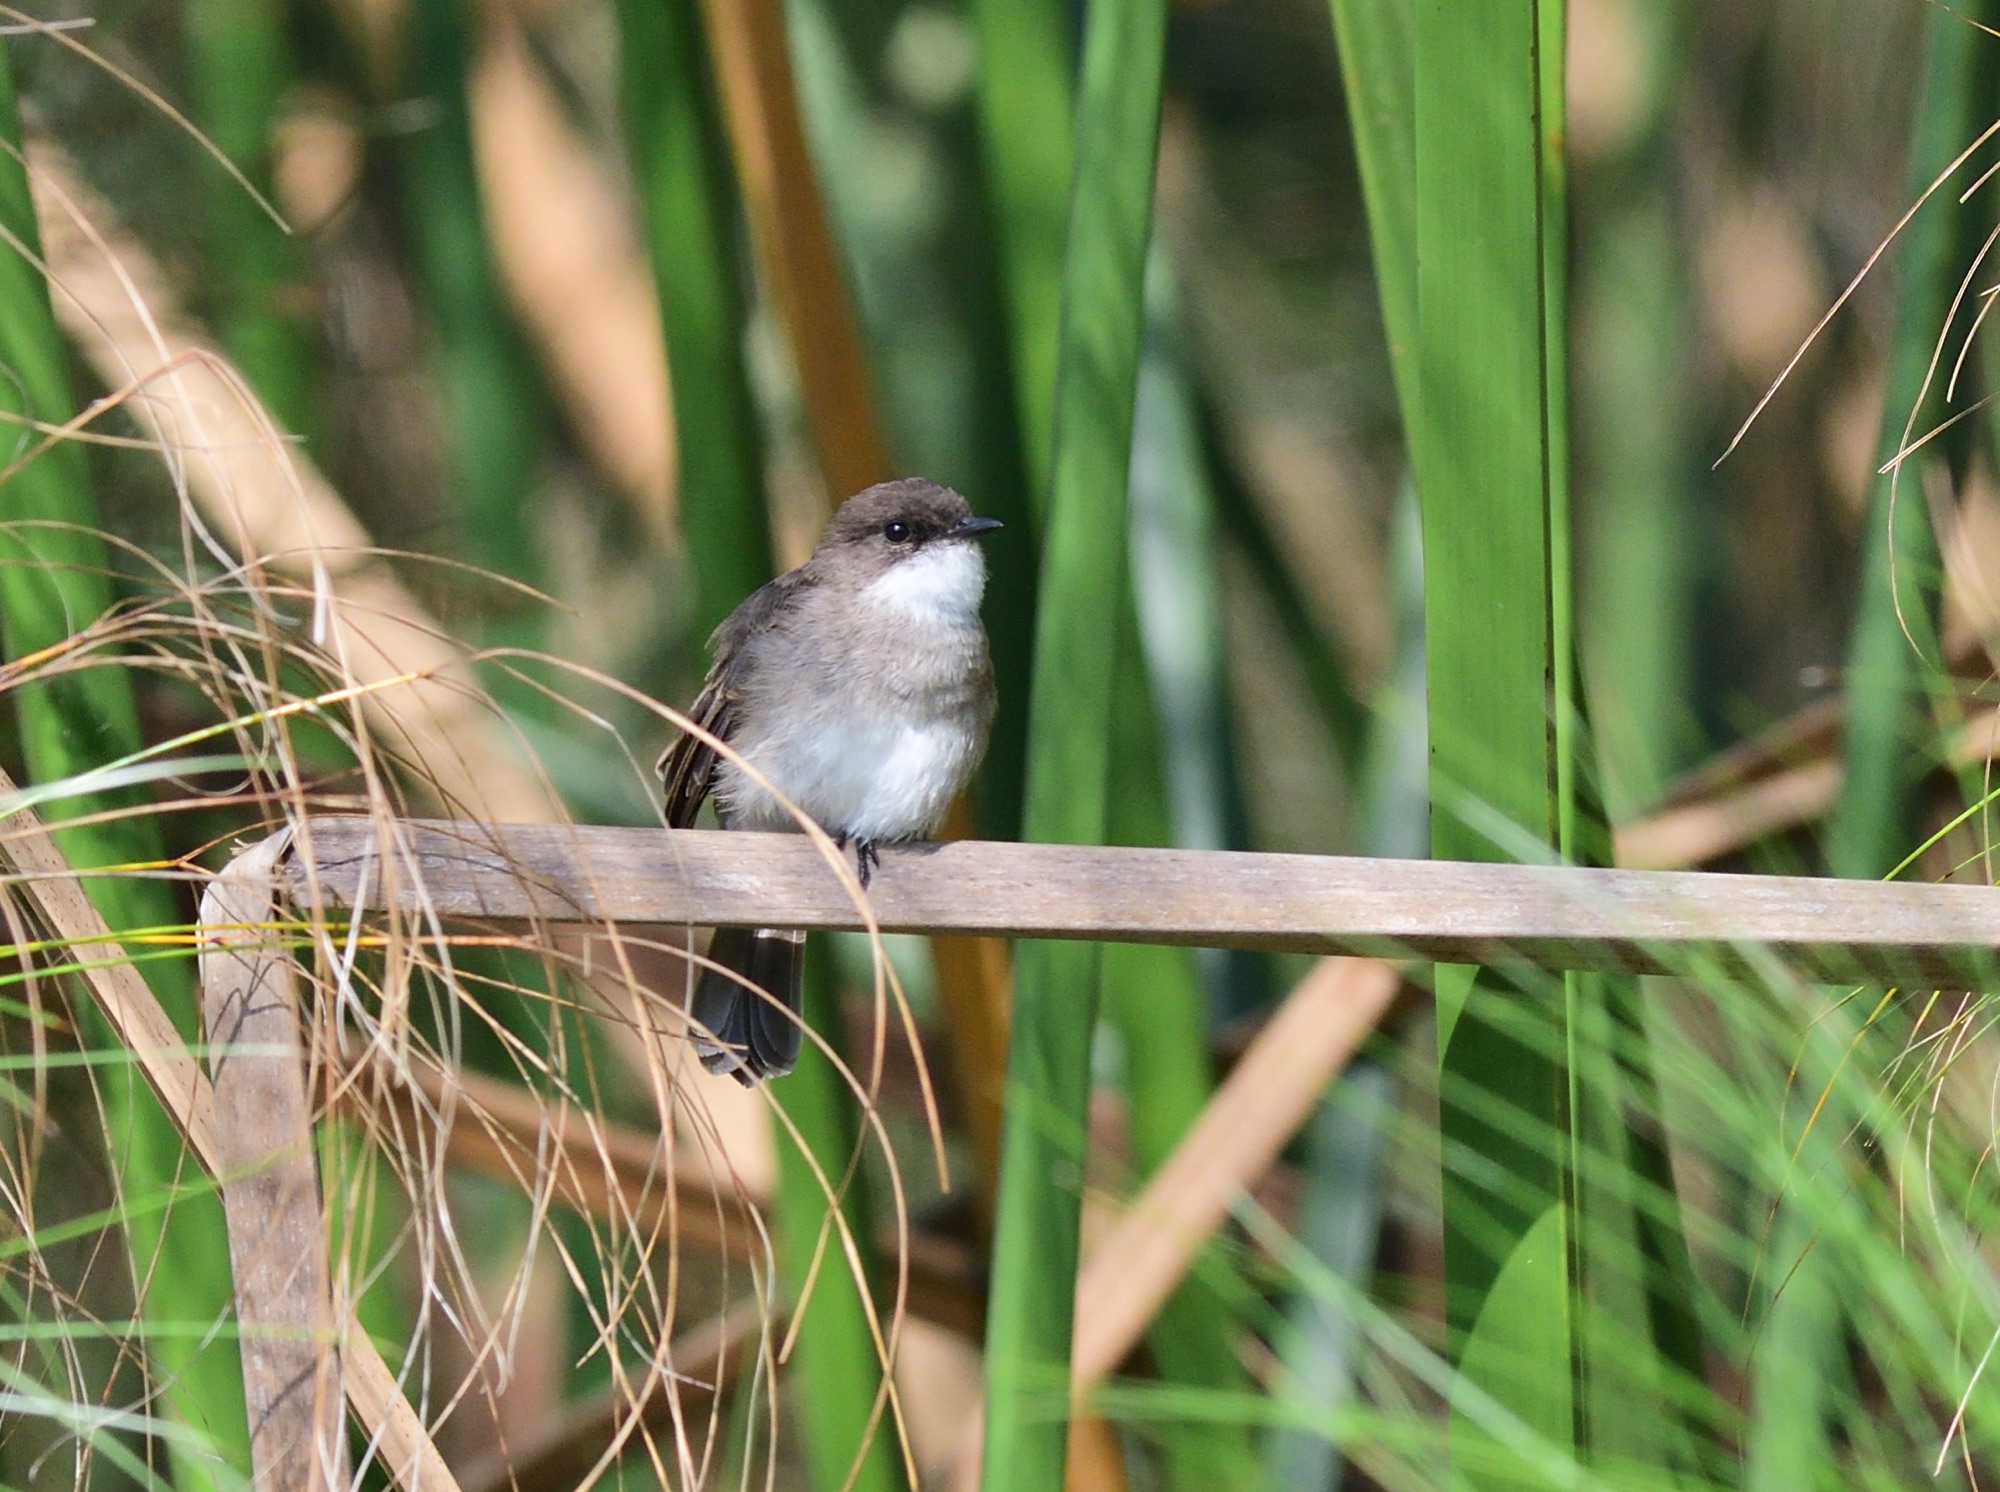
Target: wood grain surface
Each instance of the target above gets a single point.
(236, 955)
(270, 1185)
(1498, 915)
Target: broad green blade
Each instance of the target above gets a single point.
(1025, 125)
(53, 581)
(1026, 133)
(681, 159)
(1154, 997)
(1556, 1275)
(1377, 40)
(1070, 736)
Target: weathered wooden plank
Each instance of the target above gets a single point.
(270, 1183)
(1500, 916)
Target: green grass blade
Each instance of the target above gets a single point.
(1377, 40)
(240, 66)
(681, 159)
(1025, 113)
(1027, 136)
(1548, 1265)
(53, 581)
(1153, 997)
(1070, 734)
(1887, 744)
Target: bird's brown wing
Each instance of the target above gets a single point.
(687, 768)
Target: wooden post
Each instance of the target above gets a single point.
(270, 1181)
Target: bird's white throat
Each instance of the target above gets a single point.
(940, 584)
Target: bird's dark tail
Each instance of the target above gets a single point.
(751, 1033)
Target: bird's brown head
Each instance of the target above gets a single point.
(894, 521)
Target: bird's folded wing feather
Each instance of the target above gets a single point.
(687, 768)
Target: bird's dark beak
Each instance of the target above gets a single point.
(973, 528)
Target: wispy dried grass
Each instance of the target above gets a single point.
(284, 635)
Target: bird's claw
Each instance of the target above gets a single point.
(866, 860)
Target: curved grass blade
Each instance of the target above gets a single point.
(53, 573)
(1070, 733)
(1153, 997)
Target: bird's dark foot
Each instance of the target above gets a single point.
(867, 860)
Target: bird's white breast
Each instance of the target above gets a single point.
(860, 772)
(937, 586)
(877, 745)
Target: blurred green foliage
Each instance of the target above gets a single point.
(1241, 335)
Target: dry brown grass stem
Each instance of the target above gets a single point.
(695, 1373)
(1787, 777)
(1711, 828)
(260, 497)
(570, 259)
(1751, 796)
(610, 1171)
(793, 239)
(51, 886)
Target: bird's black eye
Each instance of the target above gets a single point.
(897, 532)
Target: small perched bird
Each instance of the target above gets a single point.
(859, 687)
